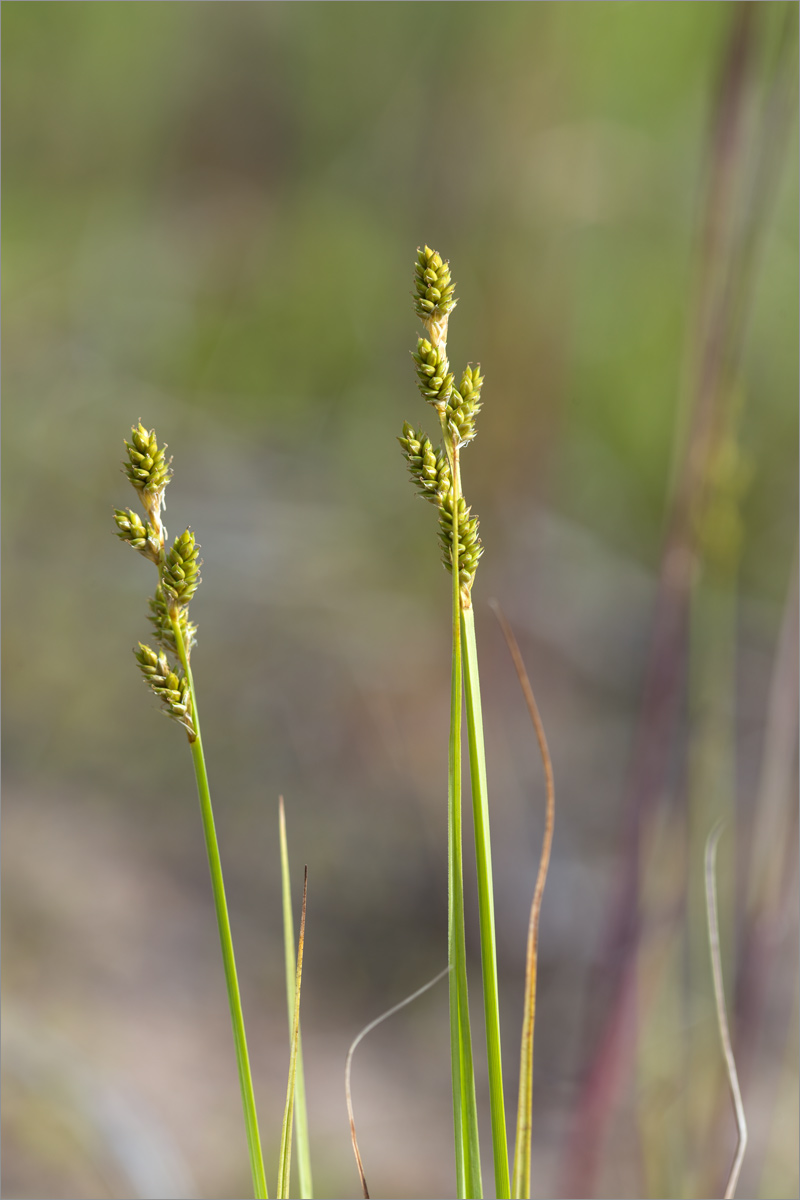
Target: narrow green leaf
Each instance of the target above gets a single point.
(301, 1140)
(465, 1109)
(226, 940)
(285, 1160)
(483, 857)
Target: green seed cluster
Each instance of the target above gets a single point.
(432, 468)
(169, 684)
(164, 669)
(433, 373)
(430, 472)
(147, 468)
(427, 465)
(133, 530)
(464, 405)
(180, 576)
(469, 544)
(162, 627)
(433, 287)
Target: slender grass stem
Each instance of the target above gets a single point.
(226, 942)
(465, 1111)
(285, 1160)
(300, 1109)
(483, 856)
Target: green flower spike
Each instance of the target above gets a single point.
(181, 573)
(148, 469)
(433, 287)
(171, 686)
(143, 537)
(162, 626)
(469, 544)
(433, 373)
(464, 405)
(427, 465)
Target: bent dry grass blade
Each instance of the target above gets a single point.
(285, 1161)
(522, 1147)
(348, 1066)
(301, 1140)
(722, 1019)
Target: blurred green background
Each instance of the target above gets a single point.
(210, 215)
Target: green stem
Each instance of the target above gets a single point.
(226, 942)
(483, 855)
(300, 1109)
(285, 1161)
(465, 1110)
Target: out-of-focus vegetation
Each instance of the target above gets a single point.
(210, 213)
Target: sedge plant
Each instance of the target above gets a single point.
(436, 473)
(167, 672)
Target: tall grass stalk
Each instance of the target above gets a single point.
(285, 1161)
(465, 1107)
(168, 673)
(300, 1109)
(483, 859)
(436, 472)
(225, 939)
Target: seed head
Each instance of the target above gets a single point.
(162, 626)
(180, 576)
(427, 465)
(169, 684)
(433, 292)
(469, 544)
(433, 373)
(133, 530)
(464, 405)
(147, 468)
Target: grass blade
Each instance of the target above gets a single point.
(483, 858)
(226, 941)
(285, 1161)
(522, 1147)
(301, 1140)
(465, 1108)
(722, 1019)
(349, 1065)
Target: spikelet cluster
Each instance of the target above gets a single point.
(464, 405)
(431, 468)
(162, 626)
(180, 575)
(427, 466)
(433, 374)
(168, 683)
(433, 291)
(138, 533)
(148, 470)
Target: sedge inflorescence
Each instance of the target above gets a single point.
(166, 669)
(435, 469)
